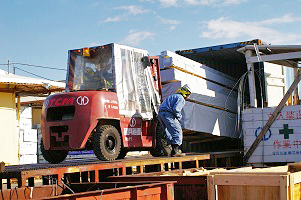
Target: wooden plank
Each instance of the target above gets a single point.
(241, 179)
(283, 192)
(272, 169)
(163, 160)
(203, 172)
(273, 117)
(242, 169)
(211, 188)
(218, 170)
(250, 173)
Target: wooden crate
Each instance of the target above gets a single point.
(274, 183)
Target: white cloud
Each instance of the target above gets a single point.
(199, 2)
(136, 37)
(213, 2)
(175, 3)
(285, 19)
(113, 19)
(168, 21)
(151, 1)
(171, 22)
(134, 10)
(171, 28)
(169, 3)
(233, 2)
(229, 29)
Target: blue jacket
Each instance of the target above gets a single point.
(174, 104)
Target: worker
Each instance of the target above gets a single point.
(105, 73)
(169, 116)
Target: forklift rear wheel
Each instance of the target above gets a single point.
(53, 156)
(106, 143)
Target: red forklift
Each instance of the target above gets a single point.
(110, 104)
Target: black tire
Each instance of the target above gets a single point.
(106, 143)
(53, 156)
(122, 153)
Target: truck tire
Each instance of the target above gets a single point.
(53, 156)
(106, 143)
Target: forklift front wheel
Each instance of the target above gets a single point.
(106, 143)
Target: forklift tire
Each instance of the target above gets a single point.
(106, 143)
(53, 156)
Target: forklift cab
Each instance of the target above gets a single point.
(91, 69)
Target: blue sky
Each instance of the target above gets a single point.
(40, 32)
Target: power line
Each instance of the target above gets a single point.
(39, 66)
(30, 65)
(33, 74)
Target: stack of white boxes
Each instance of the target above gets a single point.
(214, 104)
(28, 137)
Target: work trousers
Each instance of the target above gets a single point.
(172, 127)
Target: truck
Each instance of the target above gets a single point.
(109, 106)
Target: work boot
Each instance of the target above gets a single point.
(176, 151)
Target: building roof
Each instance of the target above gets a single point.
(26, 85)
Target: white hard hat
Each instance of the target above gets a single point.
(187, 88)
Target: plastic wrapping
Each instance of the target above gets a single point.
(134, 87)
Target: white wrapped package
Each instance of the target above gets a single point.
(135, 90)
(168, 59)
(208, 120)
(212, 106)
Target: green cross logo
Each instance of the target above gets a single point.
(286, 131)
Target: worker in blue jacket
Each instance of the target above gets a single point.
(169, 116)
